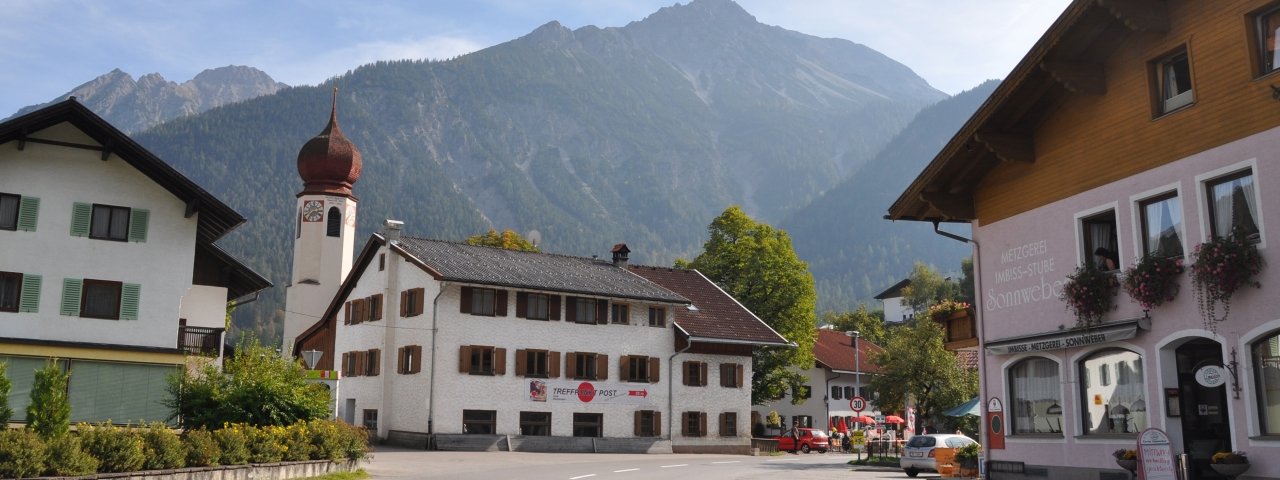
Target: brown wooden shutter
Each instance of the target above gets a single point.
(404, 303)
(361, 362)
(624, 367)
(571, 309)
(654, 369)
(637, 422)
(520, 362)
(400, 360)
(501, 308)
(602, 367)
(346, 364)
(522, 304)
(464, 359)
(702, 424)
(684, 374)
(346, 313)
(684, 423)
(740, 368)
(724, 422)
(416, 365)
(553, 307)
(553, 364)
(657, 423)
(377, 307)
(602, 312)
(500, 361)
(464, 305)
(375, 361)
(571, 364)
(702, 374)
(419, 300)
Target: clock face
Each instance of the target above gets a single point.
(312, 211)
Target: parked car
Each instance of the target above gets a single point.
(918, 455)
(810, 440)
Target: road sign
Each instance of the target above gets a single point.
(857, 404)
(859, 438)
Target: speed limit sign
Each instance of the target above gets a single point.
(857, 404)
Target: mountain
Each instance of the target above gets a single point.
(852, 251)
(639, 134)
(134, 106)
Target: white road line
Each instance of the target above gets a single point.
(582, 476)
(734, 461)
(677, 465)
(778, 460)
(627, 470)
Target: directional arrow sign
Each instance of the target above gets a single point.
(638, 393)
(857, 404)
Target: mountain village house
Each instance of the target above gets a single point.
(839, 374)
(1146, 128)
(108, 265)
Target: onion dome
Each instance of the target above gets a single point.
(329, 163)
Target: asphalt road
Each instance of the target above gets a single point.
(391, 463)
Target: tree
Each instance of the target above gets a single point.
(914, 365)
(256, 387)
(755, 263)
(928, 287)
(49, 414)
(5, 385)
(508, 240)
(868, 323)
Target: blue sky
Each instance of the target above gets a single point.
(55, 45)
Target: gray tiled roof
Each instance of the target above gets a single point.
(459, 262)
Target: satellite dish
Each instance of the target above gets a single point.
(534, 237)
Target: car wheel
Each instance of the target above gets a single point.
(911, 472)
(804, 448)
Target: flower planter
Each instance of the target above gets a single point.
(1231, 470)
(1130, 464)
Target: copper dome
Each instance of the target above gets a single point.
(329, 163)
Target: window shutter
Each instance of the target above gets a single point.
(346, 313)
(724, 422)
(464, 359)
(624, 368)
(553, 364)
(553, 307)
(571, 364)
(130, 298)
(400, 360)
(602, 312)
(684, 423)
(684, 377)
(657, 423)
(416, 365)
(520, 362)
(81, 214)
(570, 309)
(71, 288)
(740, 369)
(346, 364)
(602, 367)
(30, 299)
(404, 303)
(702, 424)
(639, 418)
(419, 296)
(501, 308)
(138, 224)
(653, 369)
(28, 213)
(377, 307)
(464, 305)
(500, 361)
(522, 305)
(702, 374)
(357, 360)
(376, 355)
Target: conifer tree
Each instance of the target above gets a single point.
(49, 413)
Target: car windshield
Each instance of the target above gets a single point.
(957, 442)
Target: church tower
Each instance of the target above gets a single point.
(325, 227)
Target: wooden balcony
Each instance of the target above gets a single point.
(200, 340)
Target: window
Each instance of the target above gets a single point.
(648, 423)
(588, 424)
(695, 374)
(1110, 407)
(620, 314)
(18, 212)
(333, 224)
(100, 299)
(371, 419)
(587, 366)
(1173, 81)
(533, 363)
(535, 306)
(9, 211)
(848, 392)
(1233, 205)
(1101, 243)
(484, 301)
(1034, 394)
(382, 262)
(835, 392)
(409, 360)
(657, 317)
(729, 424)
(536, 424)
(479, 422)
(373, 359)
(1267, 25)
(482, 360)
(362, 310)
(805, 421)
(638, 368)
(731, 375)
(10, 291)
(356, 364)
(412, 302)
(1162, 225)
(1266, 378)
(694, 424)
(110, 223)
(802, 392)
(585, 310)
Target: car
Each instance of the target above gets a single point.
(918, 456)
(810, 440)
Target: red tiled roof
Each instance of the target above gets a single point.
(834, 350)
(717, 314)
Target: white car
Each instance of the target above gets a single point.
(917, 455)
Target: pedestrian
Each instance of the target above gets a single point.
(795, 437)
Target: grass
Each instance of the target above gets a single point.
(356, 475)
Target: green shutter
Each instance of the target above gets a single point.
(30, 301)
(81, 214)
(138, 224)
(28, 213)
(71, 288)
(129, 296)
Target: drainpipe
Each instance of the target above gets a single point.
(982, 330)
(431, 384)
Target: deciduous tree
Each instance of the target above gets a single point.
(914, 365)
(868, 323)
(508, 240)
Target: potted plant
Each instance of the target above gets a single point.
(967, 457)
(1231, 464)
(1088, 293)
(1223, 265)
(1126, 458)
(1152, 281)
(943, 310)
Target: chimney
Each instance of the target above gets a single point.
(392, 230)
(620, 252)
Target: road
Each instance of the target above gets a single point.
(392, 463)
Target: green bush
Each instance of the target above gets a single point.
(5, 386)
(354, 441)
(264, 444)
(326, 440)
(202, 448)
(257, 375)
(163, 449)
(296, 440)
(234, 445)
(118, 449)
(22, 454)
(49, 413)
(68, 459)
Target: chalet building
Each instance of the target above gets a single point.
(463, 347)
(1146, 128)
(840, 373)
(107, 264)
(896, 309)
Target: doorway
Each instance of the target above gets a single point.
(1204, 419)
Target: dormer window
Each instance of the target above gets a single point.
(1173, 81)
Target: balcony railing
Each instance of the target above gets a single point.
(200, 340)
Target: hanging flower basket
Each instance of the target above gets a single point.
(1088, 294)
(1153, 280)
(943, 310)
(1222, 266)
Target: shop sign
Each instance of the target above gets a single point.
(1210, 376)
(551, 391)
(1155, 456)
(1067, 339)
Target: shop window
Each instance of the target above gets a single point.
(1173, 81)
(588, 424)
(1101, 242)
(537, 424)
(1266, 32)
(1118, 406)
(1233, 205)
(1161, 225)
(1035, 398)
(479, 422)
(1266, 379)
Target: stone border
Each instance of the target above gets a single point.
(277, 471)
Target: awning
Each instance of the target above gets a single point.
(1070, 338)
(967, 408)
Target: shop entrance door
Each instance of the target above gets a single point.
(1205, 429)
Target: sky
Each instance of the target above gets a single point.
(54, 46)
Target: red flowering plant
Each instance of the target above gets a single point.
(943, 310)
(1088, 294)
(1223, 265)
(1153, 280)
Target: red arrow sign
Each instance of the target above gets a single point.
(638, 393)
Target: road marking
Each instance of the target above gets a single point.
(582, 476)
(778, 460)
(734, 461)
(678, 465)
(627, 470)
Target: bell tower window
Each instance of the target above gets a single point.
(334, 227)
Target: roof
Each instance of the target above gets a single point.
(716, 315)
(243, 280)
(895, 291)
(459, 262)
(834, 350)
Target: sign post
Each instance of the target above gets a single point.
(1155, 456)
(995, 424)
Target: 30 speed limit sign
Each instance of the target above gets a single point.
(857, 404)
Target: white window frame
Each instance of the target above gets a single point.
(1135, 214)
(1202, 200)
(1077, 224)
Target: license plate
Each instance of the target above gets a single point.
(915, 454)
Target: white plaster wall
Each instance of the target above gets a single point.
(204, 306)
(819, 405)
(712, 399)
(317, 258)
(162, 265)
(895, 308)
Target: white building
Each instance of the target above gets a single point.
(839, 374)
(896, 308)
(107, 263)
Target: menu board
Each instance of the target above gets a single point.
(1155, 456)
